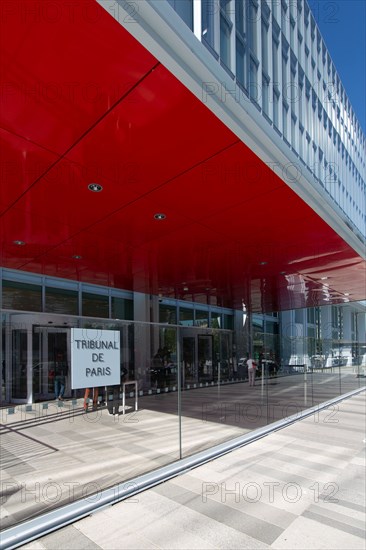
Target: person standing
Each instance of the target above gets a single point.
(252, 366)
(95, 392)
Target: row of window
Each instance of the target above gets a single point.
(190, 317)
(22, 296)
(280, 61)
(30, 297)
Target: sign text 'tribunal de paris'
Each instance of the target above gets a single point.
(95, 358)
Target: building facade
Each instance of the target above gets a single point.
(190, 175)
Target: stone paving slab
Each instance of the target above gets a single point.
(302, 487)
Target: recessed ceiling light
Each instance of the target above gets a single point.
(19, 243)
(77, 257)
(95, 187)
(159, 216)
(282, 272)
(185, 288)
(263, 263)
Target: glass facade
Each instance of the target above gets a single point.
(182, 381)
(182, 375)
(182, 388)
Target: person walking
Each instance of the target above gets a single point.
(252, 366)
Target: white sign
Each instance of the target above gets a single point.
(95, 358)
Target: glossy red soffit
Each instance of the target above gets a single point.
(84, 103)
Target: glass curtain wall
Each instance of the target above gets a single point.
(181, 390)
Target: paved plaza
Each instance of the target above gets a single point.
(271, 493)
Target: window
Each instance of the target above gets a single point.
(94, 305)
(293, 131)
(22, 296)
(240, 17)
(167, 314)
(284, 73)
(201, 318)
(184, 9)
(275, 62)
(240, 63)
(229, 322)
(265, 94)
(301, 143)
(122, 308)
(252, 22)
(285, 120)
(253, 83)
(264, 41)
(208, 27)
(225, 37)
(186, 317)
(276, 101)
(59, 300)
(216, 320)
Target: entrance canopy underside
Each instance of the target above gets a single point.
(83, 102)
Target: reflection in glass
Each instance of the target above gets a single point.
(21, 296)
(19, 364)
(59, 300)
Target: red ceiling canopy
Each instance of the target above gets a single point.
(82, 102)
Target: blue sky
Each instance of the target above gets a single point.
(342, 24)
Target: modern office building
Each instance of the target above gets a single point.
(189, 174)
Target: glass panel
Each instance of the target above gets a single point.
(189, 360)
(201, 318)
(164, 367)
(265, 95)
(186, 317)
(229, 322)
(3, 360)
(19, 364)
(184, 9)
(252, 23)
(207, 368)
(22, 296)
(253, 83)
(59, 300)
(216, 320)
(51, 376)
(239, 16)
(294, 372)
(240, 63)
(167, 314)
(199, 391)
(95, 306)
(225, 34)
(264, 41)
(208, 29)
(122, 308)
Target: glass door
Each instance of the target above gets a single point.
(189, 371)
(19, 365)
(205, 363)
(50, 350)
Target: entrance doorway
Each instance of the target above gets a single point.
(197, 357)
(31, 349)
(50, 346)
(206, 357)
